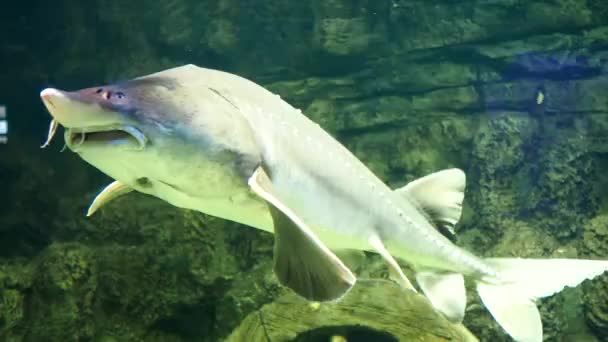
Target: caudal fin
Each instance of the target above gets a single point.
(511, 300)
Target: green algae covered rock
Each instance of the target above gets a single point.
(406, 151)
(595, 243)
(14, 282)
(138, 269)
(498, 161)
(399, 315)
(562, 198)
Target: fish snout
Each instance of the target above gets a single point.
(78, 109)
(56, 102)
(47, 96)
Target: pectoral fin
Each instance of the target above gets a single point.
(301, 261)
(110, 192)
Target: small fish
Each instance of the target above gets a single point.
(540, 97)
(232, 149)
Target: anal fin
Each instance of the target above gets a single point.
(301, 261)
(446, 292)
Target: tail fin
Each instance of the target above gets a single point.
(511, 300)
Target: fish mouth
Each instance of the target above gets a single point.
(127, 137)
(88, 124)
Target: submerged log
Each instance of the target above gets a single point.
(372, 305)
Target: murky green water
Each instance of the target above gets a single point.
(511, 92)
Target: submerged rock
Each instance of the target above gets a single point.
(137, 269)
(394, 314)
(595, 244)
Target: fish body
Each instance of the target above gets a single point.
(202, 162)
(218, 143)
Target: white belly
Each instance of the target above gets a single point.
(191, 183)
(196, 184)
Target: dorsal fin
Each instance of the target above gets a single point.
(439, 195)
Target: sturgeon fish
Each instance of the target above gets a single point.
(218, 143)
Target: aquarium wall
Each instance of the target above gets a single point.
(513, 92)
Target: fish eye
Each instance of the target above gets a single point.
(120, 95)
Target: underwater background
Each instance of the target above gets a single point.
(513, 92)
